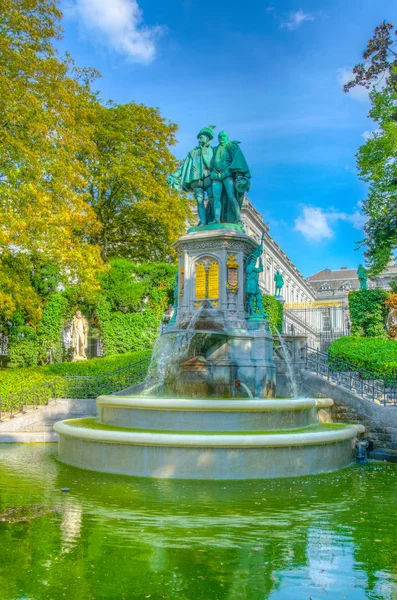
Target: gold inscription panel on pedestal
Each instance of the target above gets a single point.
(207, 279)
(213, 280)
(201, 277)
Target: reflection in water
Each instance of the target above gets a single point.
(328, 536)
(71, 526)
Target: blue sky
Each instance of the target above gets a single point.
(271, 74)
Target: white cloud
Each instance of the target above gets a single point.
(357, 219)
(369, 135)
(296, 19)
(119, 25)
(357, 93)
(315, 224)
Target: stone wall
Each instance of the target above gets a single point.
(40, 420)
(380, 421)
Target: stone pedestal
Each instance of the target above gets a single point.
(230, 347)
(211, 267)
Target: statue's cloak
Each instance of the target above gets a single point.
(194, 167)
(238, 165)
(238, 168)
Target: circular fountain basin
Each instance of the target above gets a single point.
(175, 414)
(207, 439)
(206, 456)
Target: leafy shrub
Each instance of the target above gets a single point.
(368, 312)
(274, 309)
(376, 355)
(97, 366)
(30, 380)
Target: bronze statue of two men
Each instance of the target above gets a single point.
(218, 177)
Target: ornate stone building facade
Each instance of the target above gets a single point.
(303, 314)
(296, 288)
(320, 319)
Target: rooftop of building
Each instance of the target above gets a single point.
(337, 274)
(344, 273)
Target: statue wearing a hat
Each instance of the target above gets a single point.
(195, 173)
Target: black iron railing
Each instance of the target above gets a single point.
(87, 386)
(91, 386)
(362, 382)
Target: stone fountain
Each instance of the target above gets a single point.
(214, 414)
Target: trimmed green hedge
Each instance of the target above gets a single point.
(131, 306)
(368, 312)
(274, 309)
(13, 381)
(376, 355)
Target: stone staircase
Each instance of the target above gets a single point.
(380, 421)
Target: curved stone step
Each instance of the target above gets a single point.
(203, 415)
(322, 434)
(207, 456)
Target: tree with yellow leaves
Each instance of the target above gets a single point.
(47, 113)
(80, 182)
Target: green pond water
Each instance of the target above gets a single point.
(330, 536)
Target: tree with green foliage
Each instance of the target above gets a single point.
(377, 158)
(140, 214)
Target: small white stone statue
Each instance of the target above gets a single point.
(79, 333)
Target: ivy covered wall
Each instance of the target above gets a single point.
(125, 314)
(274, 309)
(30, 345)
(132, 303)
